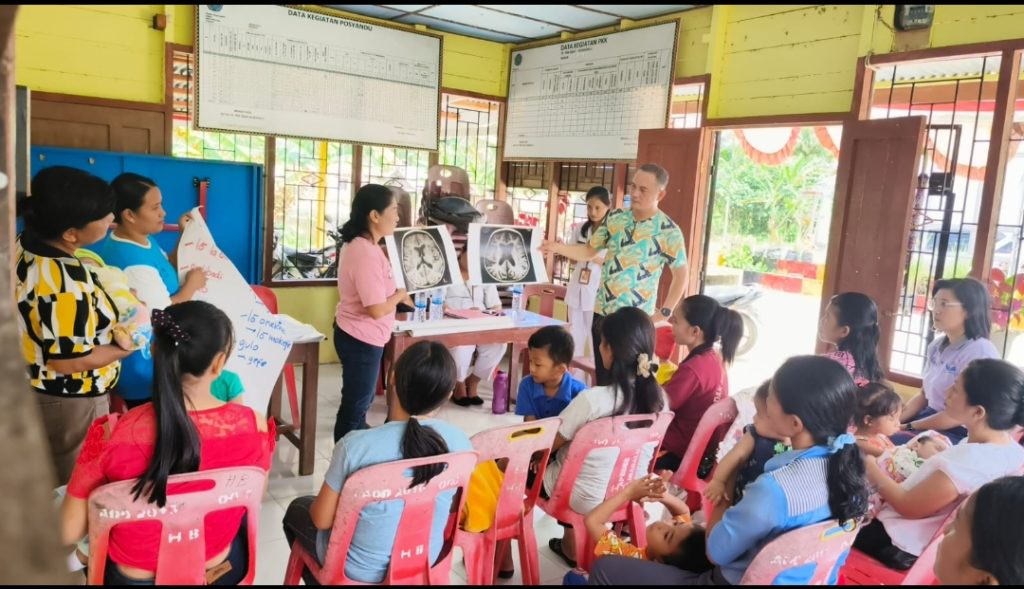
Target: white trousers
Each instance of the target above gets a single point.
(487, 360)
(579, 326)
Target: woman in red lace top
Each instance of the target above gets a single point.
(184, 429)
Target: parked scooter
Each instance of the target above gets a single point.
(740, 298)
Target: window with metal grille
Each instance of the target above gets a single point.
(312, 198)
(528, 192)
(207, 145)
(956, 97)
(469, 140)
(687, 106)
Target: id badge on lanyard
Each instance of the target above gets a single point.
(585, 275)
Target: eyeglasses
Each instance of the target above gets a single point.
(942, 305)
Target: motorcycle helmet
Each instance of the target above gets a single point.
(452, 210)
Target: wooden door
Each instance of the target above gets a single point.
(685, 154)
(875, 183)
(80, 122)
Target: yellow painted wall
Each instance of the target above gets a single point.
(315, 306)
(113, 52)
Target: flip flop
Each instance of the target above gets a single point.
(506, 574)
(475, 400)
(555, 544)
(463, 402)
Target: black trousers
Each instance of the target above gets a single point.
(874, 541)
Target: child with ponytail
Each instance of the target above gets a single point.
(627, 347)
(184, 429)
(424, 381)
(850, 323)
(699, 323)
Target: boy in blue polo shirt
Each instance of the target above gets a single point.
(550, 386)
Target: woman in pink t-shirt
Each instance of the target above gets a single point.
(698, 323)
(367, 300)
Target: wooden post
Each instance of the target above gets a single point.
(29, 528)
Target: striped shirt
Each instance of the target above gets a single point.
(792, 493)
(63, 313)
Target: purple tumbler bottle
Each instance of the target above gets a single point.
(499, 402)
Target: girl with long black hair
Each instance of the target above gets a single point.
(184, 429)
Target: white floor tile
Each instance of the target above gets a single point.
(271, 562)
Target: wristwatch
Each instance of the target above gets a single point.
(909, 426)
(665, 312)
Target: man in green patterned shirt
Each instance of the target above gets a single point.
(640, 243)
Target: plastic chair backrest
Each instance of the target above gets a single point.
(548, 294)
(921, 573)
(497, 212)
(820, 545)
(410, 557)
(502, 442)
(718, 417)
(454, 180)
(190, 497)
(268, 297)
(610, 432)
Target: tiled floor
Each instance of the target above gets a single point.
(285, 485)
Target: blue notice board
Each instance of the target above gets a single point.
(234, 203)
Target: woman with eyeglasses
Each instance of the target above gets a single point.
(960, 310)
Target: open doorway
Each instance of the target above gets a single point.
(767, 238)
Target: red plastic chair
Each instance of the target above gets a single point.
(288, 372)
(514, 515)
(410, 557)
(708, 434)
(607, 432)
(861, 569)
(822, 544)
(182, 556)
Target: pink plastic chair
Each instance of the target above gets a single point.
(514, 515)
(607, 432)
(861, 569)
(819, 544)
(182, 556)
(288, 372)
(410, 557)
(709, 433)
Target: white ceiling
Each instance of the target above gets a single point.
(514, 23)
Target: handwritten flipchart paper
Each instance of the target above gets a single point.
(262, 342)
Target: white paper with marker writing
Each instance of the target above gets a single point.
(262, 340)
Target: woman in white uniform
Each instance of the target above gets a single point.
(586, 276)
(459, 298)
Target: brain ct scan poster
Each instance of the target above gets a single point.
(423, 258)
(505, 254)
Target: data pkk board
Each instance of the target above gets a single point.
(276, 70)
(588, 99)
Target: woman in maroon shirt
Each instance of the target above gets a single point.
(698, 323)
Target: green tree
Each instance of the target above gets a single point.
(772, 205)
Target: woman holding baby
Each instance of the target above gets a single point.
(66, 320)
(988, 399)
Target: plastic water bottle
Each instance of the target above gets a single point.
(437, 305)
(499, 402)
(517, 300)
(420, 300)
